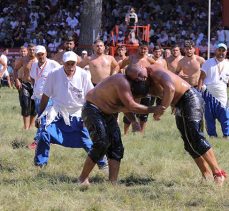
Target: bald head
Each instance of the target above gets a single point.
(133, 69)
(137, 77)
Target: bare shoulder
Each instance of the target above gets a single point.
(119, 79)
(200, 59)
(109, 57)
(151, 60)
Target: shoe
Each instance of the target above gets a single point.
(40, 165)
(32, 145)
(104, 169)
(219, 177)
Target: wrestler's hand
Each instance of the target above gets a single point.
(159, 110)
(18, 84)
(37, 123)
(157, 117)
(1, 74)
(136, 126)
(173, 110)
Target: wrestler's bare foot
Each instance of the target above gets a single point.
(84, 183)
(219, 177)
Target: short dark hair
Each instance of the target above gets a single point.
(189, 43)
(175, 46)
(98, 40)
(121, 46)
(69, 39)
(30, 45)
(157, 47)
(143, 43)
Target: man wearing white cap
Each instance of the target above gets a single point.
(38, 73)
(215, 75)
(62, 123)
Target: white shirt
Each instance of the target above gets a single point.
(217, 76)
(4, 58)
(68, 95)
(39, 74)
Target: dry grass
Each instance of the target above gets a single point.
(156, 173)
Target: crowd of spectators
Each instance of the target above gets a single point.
(47, 22)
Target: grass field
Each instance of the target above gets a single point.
(156, 173)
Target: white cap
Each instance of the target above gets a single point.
(84, 52)
(40, 49)
(69, 56)
(222, 45)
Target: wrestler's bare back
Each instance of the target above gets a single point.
(160, 77)
(107, 94)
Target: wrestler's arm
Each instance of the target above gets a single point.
(124, 62)
(32, 81)
(79, 59)
(168, 90)
(84, 62)
(201, 80)
(202, 60)
(114, 66)
(168, 85)
(151, 60)
(18, 65)
(165, 64)
(179, 67)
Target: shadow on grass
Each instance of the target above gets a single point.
(136, 180)
(56, 178)
(7, 167)
(16, 144)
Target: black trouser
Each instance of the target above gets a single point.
(104, 132)
(27, 104)
(189, 115)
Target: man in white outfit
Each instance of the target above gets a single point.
(38, 73)
(3, 71)
(61, 123)
(215, 75)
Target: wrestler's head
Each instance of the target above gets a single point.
(99, 47)
(23, 51)
(31, 50)
(175, 50)
(143, 48)
(189, 48)
(121, 50)
(157, 51)
(137, 76)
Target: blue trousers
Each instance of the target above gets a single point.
(74, 136)
(37, 109)
(214, 110)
